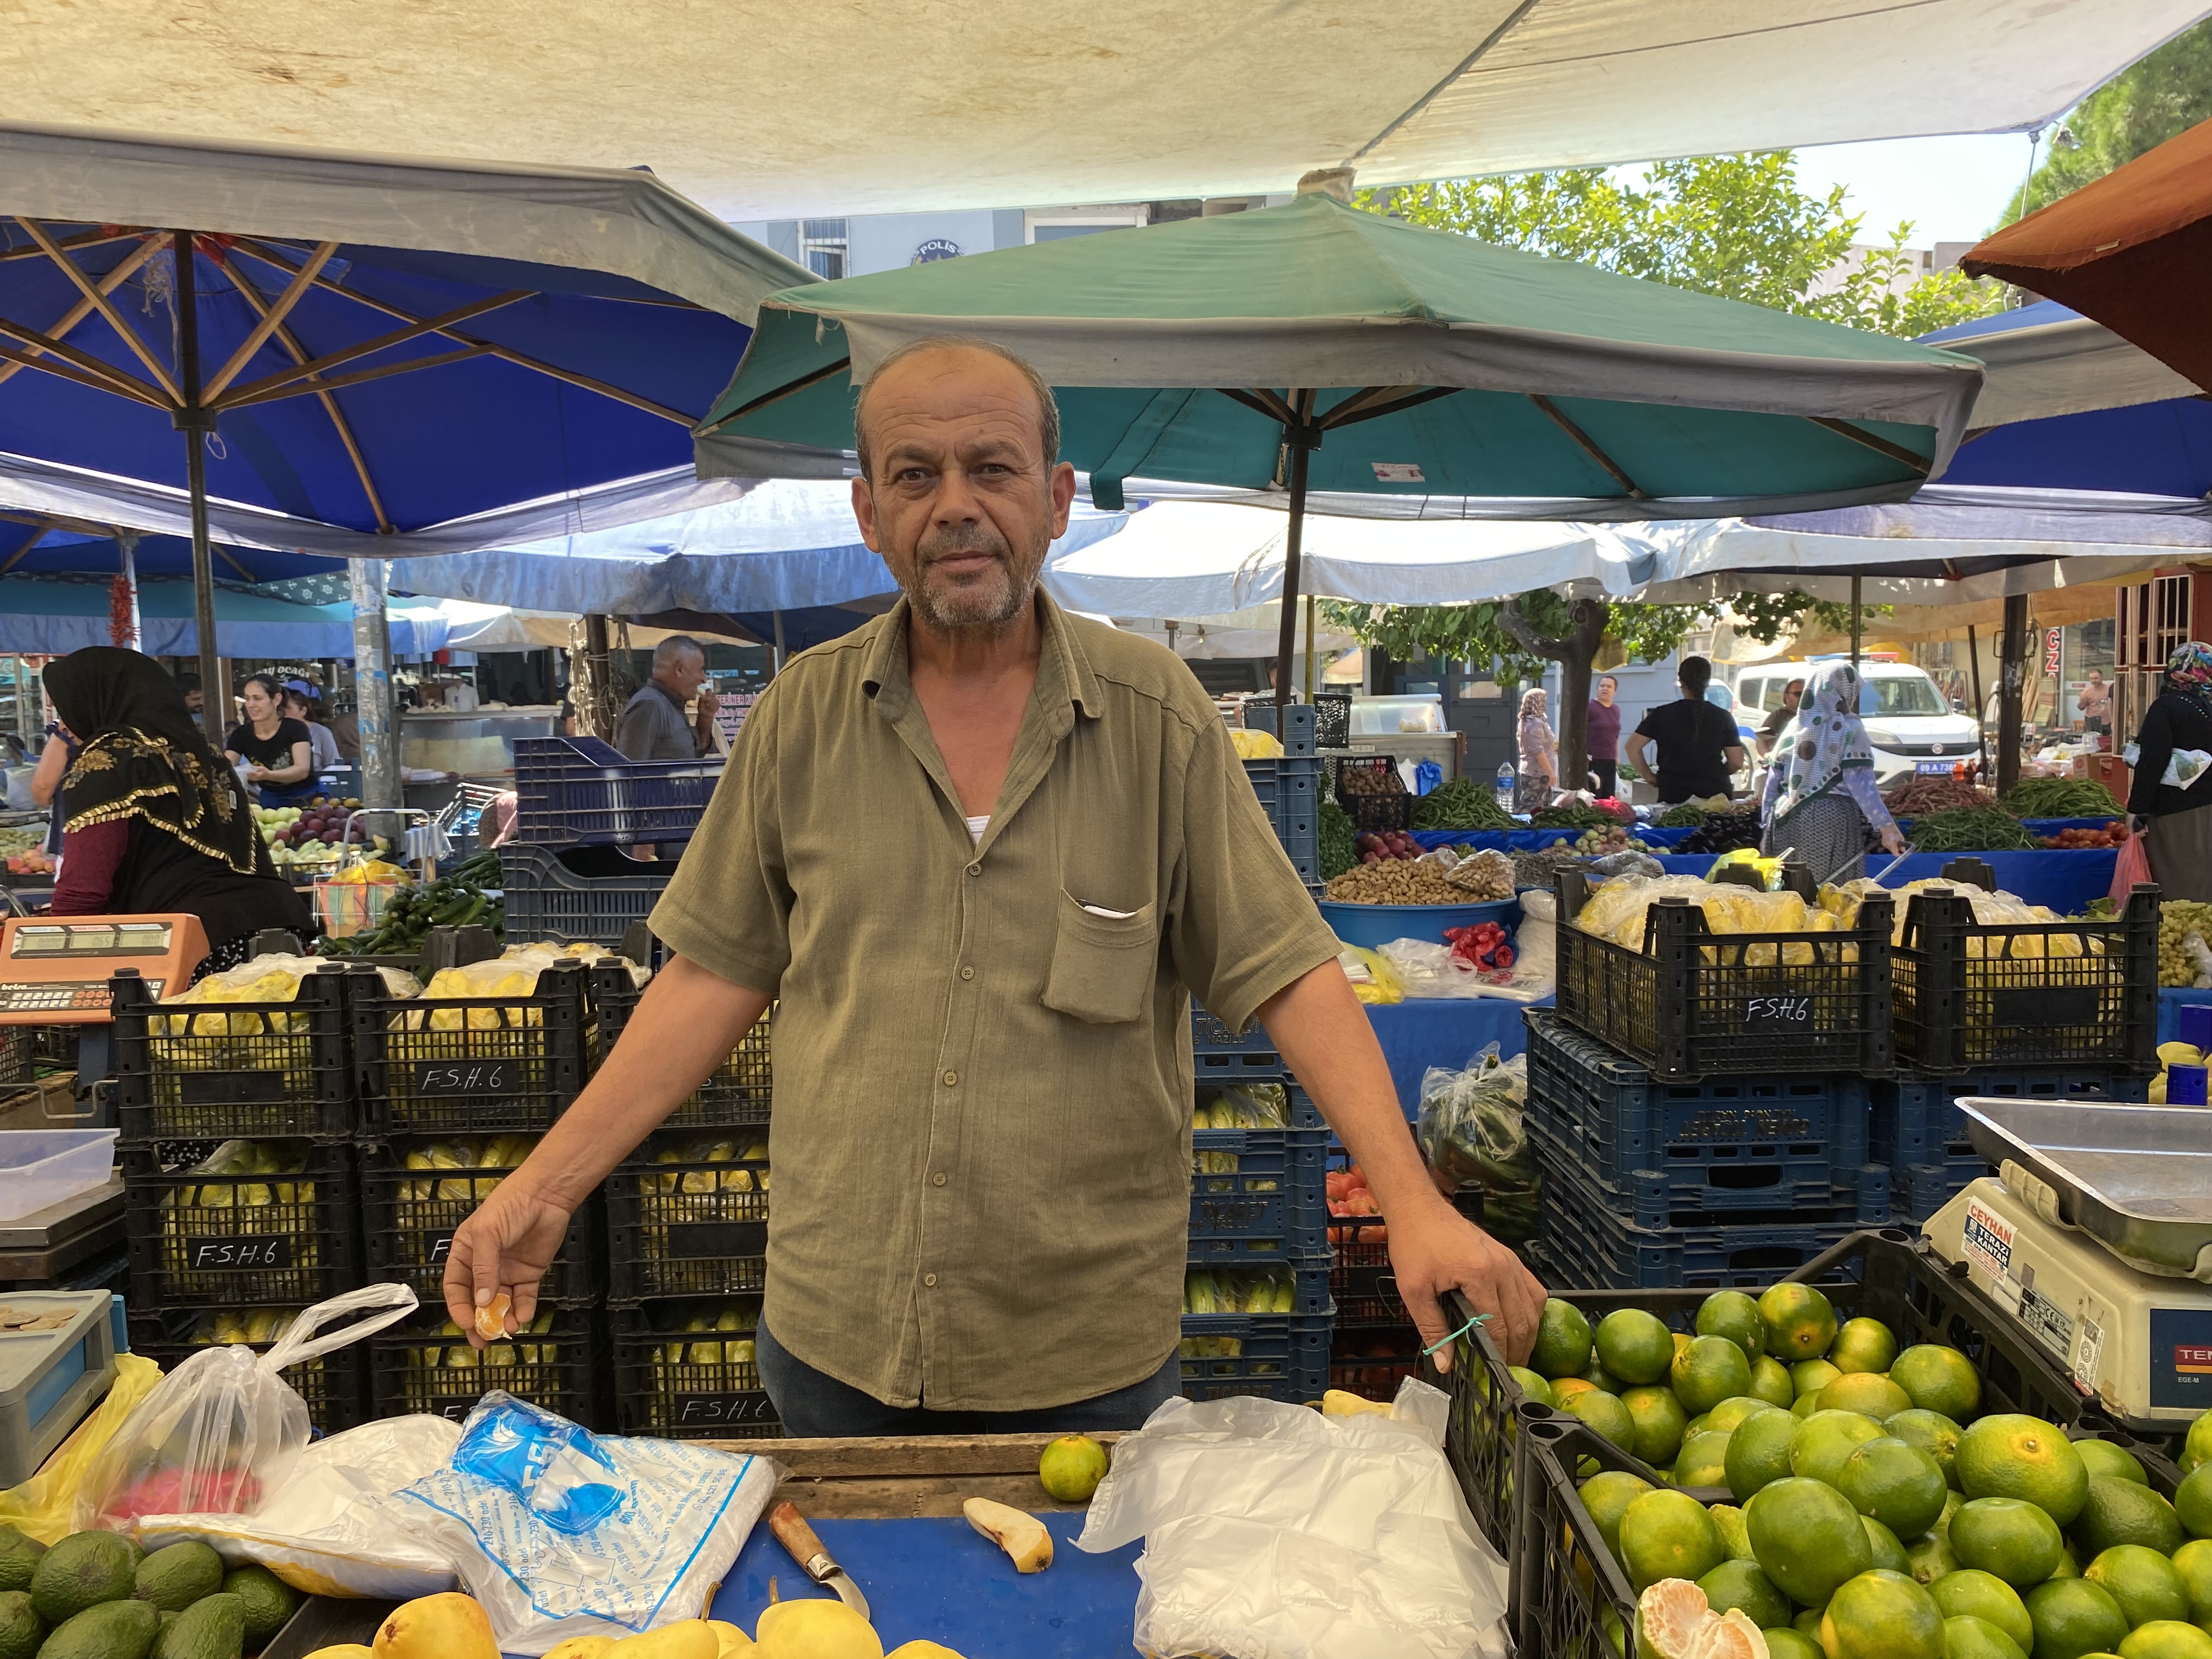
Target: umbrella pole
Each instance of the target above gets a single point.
(778, 615)
(1310, 664)
(1858, 623)
(195, 423)
(367, 580)
(1974, 667)
(2012, 659)
(1301, 440)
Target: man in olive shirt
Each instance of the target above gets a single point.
(980, 852)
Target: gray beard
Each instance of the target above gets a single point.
(967, 613)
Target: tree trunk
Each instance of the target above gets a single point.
(1575, 653)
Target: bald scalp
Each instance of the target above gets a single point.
(1047, 409)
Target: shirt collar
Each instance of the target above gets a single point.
(1064, 665)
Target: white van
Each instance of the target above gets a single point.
(1910, 724)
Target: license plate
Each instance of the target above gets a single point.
(1943, 767)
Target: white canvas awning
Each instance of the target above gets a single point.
(769, 113)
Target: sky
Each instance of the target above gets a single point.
(1952, 188)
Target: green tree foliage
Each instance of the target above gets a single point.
(2137, 110)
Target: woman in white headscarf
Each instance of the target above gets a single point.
(1538, 777)
(1821, 795)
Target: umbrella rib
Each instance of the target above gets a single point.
(249, 398)
(1337, 416)
(88, 239)
(254, 392)
(286, 339)
(1880, 445)
(125, 270)
(17, 557)
(505, 354)
(100, 302)
(74, 365)
(788, 389)
(1587, 445)
(1265, 401)
(271, 316)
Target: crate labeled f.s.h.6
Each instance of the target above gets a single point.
(686, 1370)
(738, 1091)
(334, 1386)
(573, 790)
(1970, 995)
(416, 1192)
(687, 1215)
(428, 1367)
(510, 1061)
(1693, 1002)
(244, 1224)
(277, 1064)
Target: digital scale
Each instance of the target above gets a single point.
(2096, 1234)
(54, 970)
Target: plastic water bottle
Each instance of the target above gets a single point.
(1505, 786)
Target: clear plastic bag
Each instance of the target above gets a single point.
(559, 1532)
(223, 1430)
(1273, 1532)
(1472, 1133)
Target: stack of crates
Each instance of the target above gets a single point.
(453, 1096)
(2056, 1010)
(1259, 1237)
(1700, 1107)
(1290, 788)
(238, 1168)
(687, 1250)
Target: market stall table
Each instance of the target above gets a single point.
(2064, 881)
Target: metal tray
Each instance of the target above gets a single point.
(2137, 1179)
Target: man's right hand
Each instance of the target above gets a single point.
(506, 1246)
(708, 703)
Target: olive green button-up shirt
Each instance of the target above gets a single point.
(983, 1083)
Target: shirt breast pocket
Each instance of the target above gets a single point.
(1102, 967)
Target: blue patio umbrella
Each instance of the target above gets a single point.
(52, 616)
(367, 343)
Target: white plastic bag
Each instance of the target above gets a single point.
(337, 1527)
(1272, 1532)
(560, 1532)
(224, 1429)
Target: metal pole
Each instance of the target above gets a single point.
(126, 543)
(598, 707)
(778, 615)
(1858, 623)
(1311, 674)
(374, 706)
(1974, 669)
(25, 725)
(2011, 662)
(1301, 439)
(196, 423)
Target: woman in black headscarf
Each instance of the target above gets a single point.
(154, 821)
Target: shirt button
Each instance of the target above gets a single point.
(937, 1180)
(967, 973)
(951, 1079)
(930, 1279)
(975, 869)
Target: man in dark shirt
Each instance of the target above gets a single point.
(1769, 730)
(1699, 748)
(652, 726)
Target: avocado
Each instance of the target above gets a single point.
(270, 1601)
(84, 1569)
(114, 1630)
(21, 1629)
(175, 1577)
(213, 1627)
(19, 1559)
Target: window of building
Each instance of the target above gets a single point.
(824, 246)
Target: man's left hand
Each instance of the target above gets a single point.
(1436, 1250)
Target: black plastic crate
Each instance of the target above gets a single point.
(1360, 1274)
(334, 1386)
(680, 1384)
(268, 1238)
(1694, 1004)
(425, 1368)
(411, 1208)
(218, 1071)
(683, 1224)
(577, 895)
(1256, 1194)
(1968, 996)
(55, 1046)
(1784, 1190)
(474, 1065)
(18, 1055)
(581, 790)
(742, 1086)
(1371, 1359)
(1384, 807)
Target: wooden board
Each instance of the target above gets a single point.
(903, 1476)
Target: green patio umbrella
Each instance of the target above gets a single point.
(1319, 347)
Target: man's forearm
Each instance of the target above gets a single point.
(1323, 1035)
(687, 1022)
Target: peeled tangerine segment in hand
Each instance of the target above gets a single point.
(491, 1318)
(1021, 1535)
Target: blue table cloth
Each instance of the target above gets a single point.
(2066, 882)
(2170, 1002)
(1534, 840)
(1448, 1032)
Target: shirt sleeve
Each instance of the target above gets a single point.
(728, 905)
(1240, 925)
(90, 858)
(1865, 790)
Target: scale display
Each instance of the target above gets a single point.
(54, 971)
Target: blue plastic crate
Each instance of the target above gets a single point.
(1290, 790)
(1779, 1191)
(1592, 1248)
(556, 898)
(1212, 1040)
(1918, 1190)
(1293, 724)
(1725, 1143)
(1273, 1206)
(1303, 1113)
(572, 790)
(1276, 1356)
(1915, 1120)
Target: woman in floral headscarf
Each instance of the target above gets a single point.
(1821, 795)
(2171, 791)
(1540, 756)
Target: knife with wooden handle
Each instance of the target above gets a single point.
(792, 1531)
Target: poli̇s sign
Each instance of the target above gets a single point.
(936, 248)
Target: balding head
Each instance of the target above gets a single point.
(955, 346)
